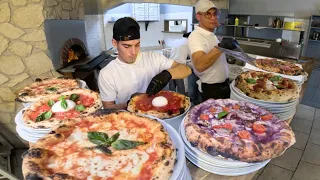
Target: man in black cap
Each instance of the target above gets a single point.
(134, 71)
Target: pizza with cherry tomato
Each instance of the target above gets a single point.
(53, 110)
(163, 105)
(103, 146)
(46, 87)
(267, 86)
(238, 130)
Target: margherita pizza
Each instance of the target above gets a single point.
(116, 146)
(238, 130)
(163, 105)
(267, 86)
(282, 67)
(53, 110)
(44, 88)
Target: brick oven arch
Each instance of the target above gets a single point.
(66, 47)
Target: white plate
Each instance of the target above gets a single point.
(25, 137)
(222, 162)
(215, 170)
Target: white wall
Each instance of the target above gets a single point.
(95, 34)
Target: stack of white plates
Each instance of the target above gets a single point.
(180, 170)
(28, 133)
(176, 121)
(216, 164)
(284, 111)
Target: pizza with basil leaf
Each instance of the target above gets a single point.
(44, 88)
(116, 145)
(53, 110)
(238, 130)
(282, 67)
(267, 86)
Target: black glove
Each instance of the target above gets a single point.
(228, 43)
(158, 82)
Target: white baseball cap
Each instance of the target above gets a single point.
(204, 6)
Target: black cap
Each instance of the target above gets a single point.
(126, 29)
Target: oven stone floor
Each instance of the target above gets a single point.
(300, 162)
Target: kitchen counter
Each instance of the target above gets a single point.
(307, 66)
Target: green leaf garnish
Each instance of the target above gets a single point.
(279, 87)
(104, 149)
(114, 137)
(64, 104)
(98, 138)
(122, 144)
(52, 89)
(222, 114)
(62, 97)
(251, 81)
(44, 116)
(74, 97)
(275, 78)
(51, 103)
(80, 107)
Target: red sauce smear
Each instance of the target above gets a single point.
(146, 170)
(85, 100)
(39, 111)
(66, 115)
(144, 103)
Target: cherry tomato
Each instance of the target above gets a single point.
(266, 117)
(259, 128)
(204, 117)
(236, 106)
(226, 109)
(227, 126)
(216, 127)
(212, 109)
(244, 134)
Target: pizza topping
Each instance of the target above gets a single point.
(275, 78)
(212, 109)
(52, 89)
(159, 101)
(86, 100)
(43, 116)
(63, 105)
(80, 108)
(266, 117)
(74, 97)
(51, 103)
(204, 117)
(244, 134)
(251, 81)
(222, 114)
(259, 128)
(236, 106)
(122, 144)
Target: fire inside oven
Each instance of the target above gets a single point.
(73, 51)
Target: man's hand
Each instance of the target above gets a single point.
(158, 82)
(228, 43)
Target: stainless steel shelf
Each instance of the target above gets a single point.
(262, 27)
(315, 27)
(311, 40)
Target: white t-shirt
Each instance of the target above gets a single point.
(203, 40)
(180, 51)
(118, 80)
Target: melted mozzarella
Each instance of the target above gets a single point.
(159, 101)
(269, 85)
(58, 108)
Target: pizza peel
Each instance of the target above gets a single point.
(238, 53)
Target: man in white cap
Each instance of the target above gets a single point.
(209, 64)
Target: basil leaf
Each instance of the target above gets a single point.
(52, 89)
(279, 87)
(43, 116)
(114, 137)
(74, 97)
(275, 78)
(80, 107)
(64, 104)
(121, 144)
(51, 103)
(104, 149)
(251, 81)
(47, 114)
(98, 137)
(62, 97)
(222, 114)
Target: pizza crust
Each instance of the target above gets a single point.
(293, 69)
(236, 148)
(277, 95)
(30, 94)
(36, 160)
(49, 123)
(184, 106)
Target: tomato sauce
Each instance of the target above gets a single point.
(146, 170)
(174, 103)
(66, 115)
(86, 100)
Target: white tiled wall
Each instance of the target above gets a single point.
(95, 34)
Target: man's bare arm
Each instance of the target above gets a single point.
(202, 61)
(179, 71)
(112, 105)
